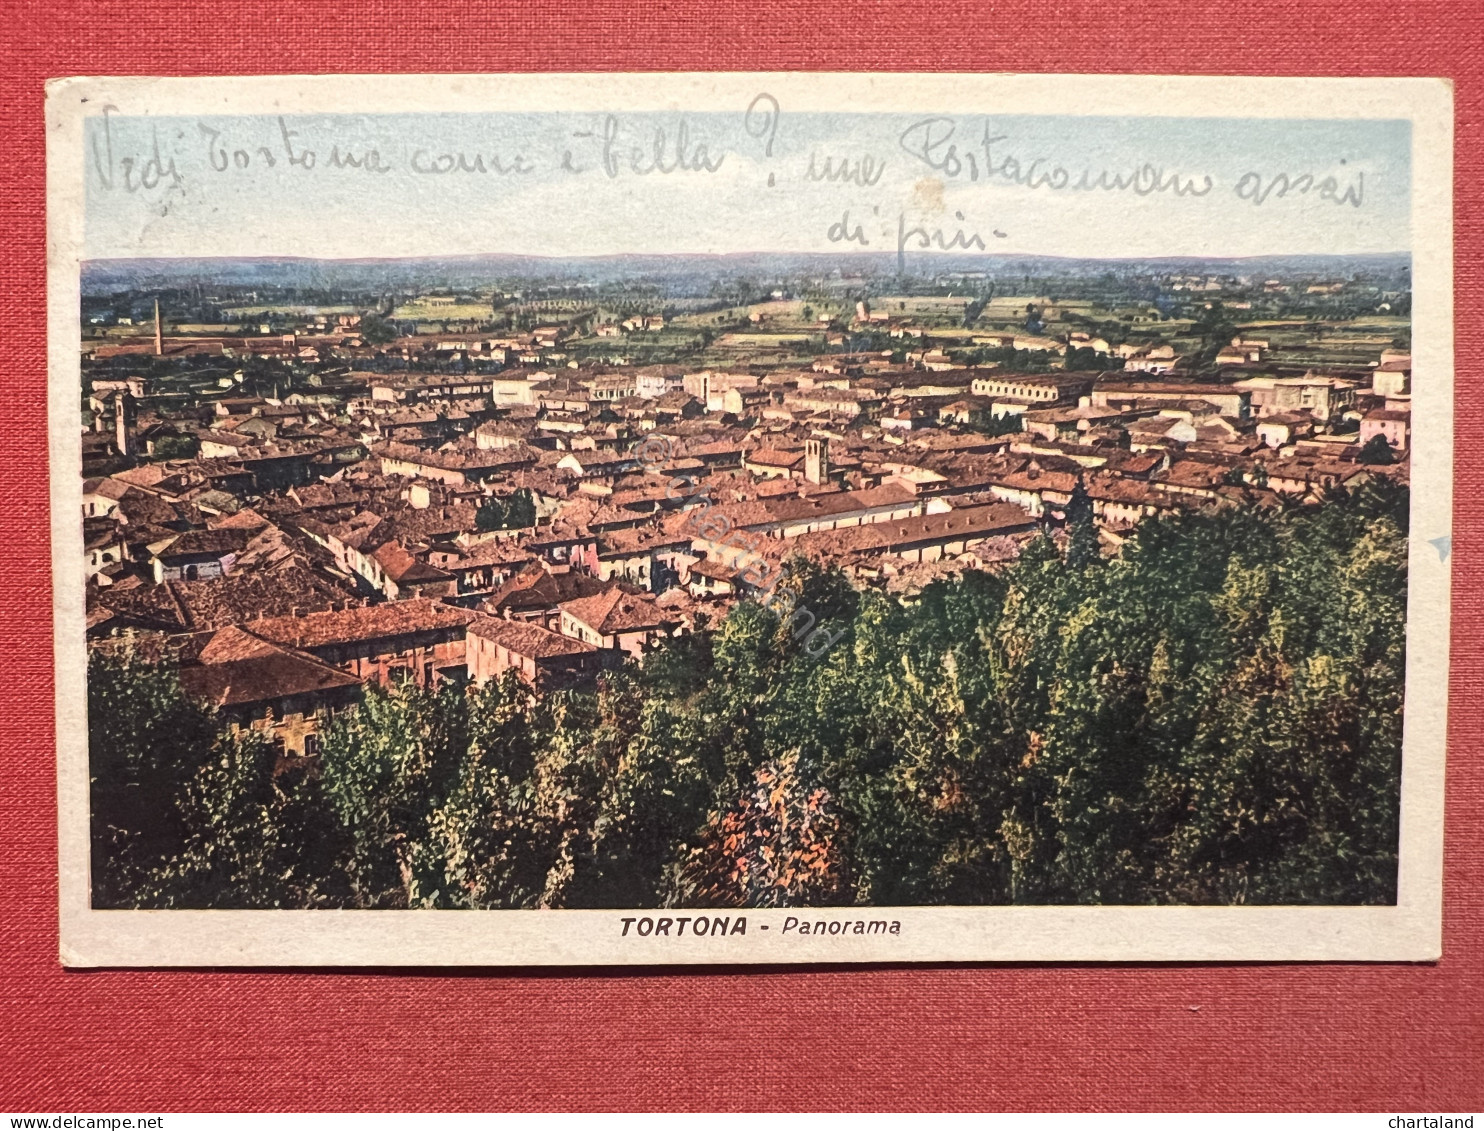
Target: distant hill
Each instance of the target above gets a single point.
(678, 273)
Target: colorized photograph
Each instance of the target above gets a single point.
(742, 515)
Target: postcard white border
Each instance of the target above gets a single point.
(1409, 931)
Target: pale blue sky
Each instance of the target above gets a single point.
(286, 208)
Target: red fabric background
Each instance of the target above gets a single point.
(1238, 1037)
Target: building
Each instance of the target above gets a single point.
(1392, 379)
(925, 538)
(1033, 390)
(1323, 398)
(1234, 400)
(420, 640)
(544, 659)
(261, 687)
(1394, 425)
(771, 463)
(617, 620)
(744, 402)
(398, 574)
(817, 460)
(614, 386)
(706, 578)
(536, 593)
(467, 463)
(1153, 359)
(198, 555)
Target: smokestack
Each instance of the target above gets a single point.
(159, 337)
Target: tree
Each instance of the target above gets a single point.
(173, 445)
(521, 509)
(189, 813)
(1376, 452)
(145, 740)
(1082, 541)
(1210, 715)
(1216, 330)
(777, 845)
(491, 515)
(514, 512)
(388, 765)
(1006, 425)
(492, 835)
(376, 330)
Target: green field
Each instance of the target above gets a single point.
(240, 312)
(420, 310)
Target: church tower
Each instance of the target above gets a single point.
(123, 423)
(817, 460)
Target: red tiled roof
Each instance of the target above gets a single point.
(344, 626)
(238, 668)
(245, 519)
(772, 457)
(402, 567)
(535, 587)
(708, 567)
(1060, 481)
(617, 611)
(527, 639)
(889, 537)
(197, 542)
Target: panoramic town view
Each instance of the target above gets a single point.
(742, 581)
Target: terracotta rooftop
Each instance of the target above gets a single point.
(201, 542)
(371, 622)
(527, 639)
(245, 519)
(1035, 479)
(403, 568)
(615, 610)
(236, 668)
(772, 457)
(1136, 492)
(107, 488)
(709, 567)
(234, 599)
(905, 533)
(459, 458)
(536, 588)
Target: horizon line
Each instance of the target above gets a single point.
(721, 257)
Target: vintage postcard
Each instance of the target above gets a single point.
(750, 518)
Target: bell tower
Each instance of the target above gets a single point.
(123, 423)
(817, 460)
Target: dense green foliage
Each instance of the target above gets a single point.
(171, 445)
(1376, 451)
(514, 512)
(187, 815)
(376, 330)
(1212, 716)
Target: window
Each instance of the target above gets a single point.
(311, 746)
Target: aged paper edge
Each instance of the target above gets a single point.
(1410, 931)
